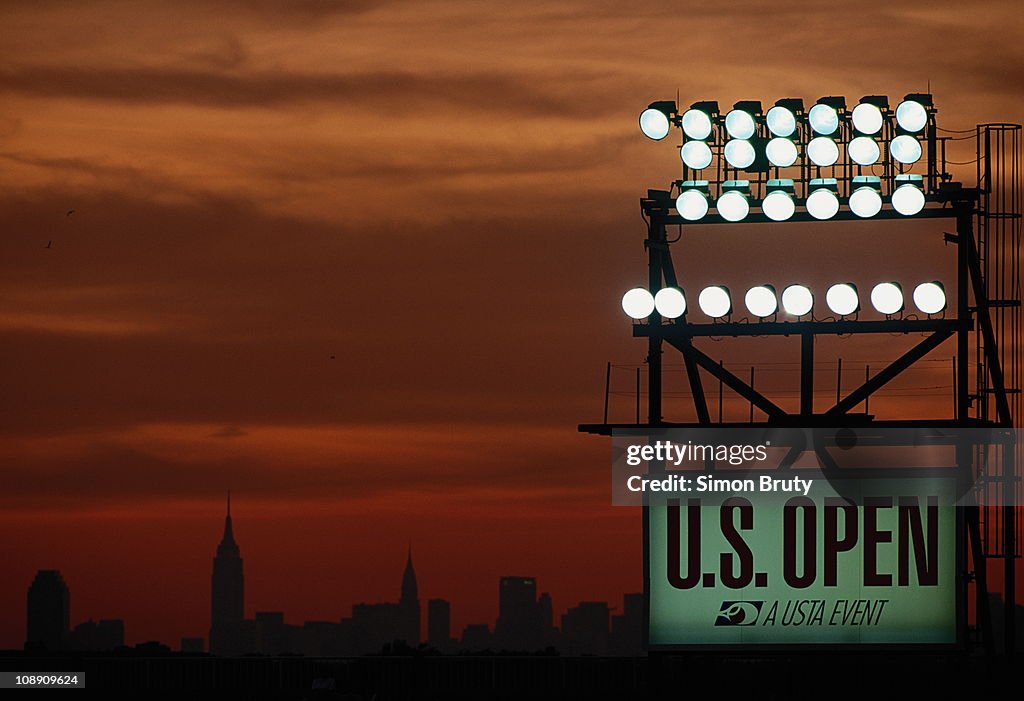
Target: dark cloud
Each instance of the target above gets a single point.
(229, 432)
(398, 92)
(372, 462)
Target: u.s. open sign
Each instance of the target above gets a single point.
(857, 562)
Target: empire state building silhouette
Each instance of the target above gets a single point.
(228, 595)
(409, 605)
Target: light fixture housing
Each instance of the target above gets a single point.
(733, 204)
(930, 297)
(761, 301)
(670, 302)
(842, 299)
(778, 204)
(866, 196)
(692, 202)
(656, 120)
(797, 300)
(823, 201)
(887, 298)
(908, 196)
(715, 301)
(638, 303)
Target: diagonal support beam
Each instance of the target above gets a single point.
(734, 383)
(700, 401)
(889, 372)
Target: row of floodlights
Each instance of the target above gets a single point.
(824, 118)
(821, 151)
(779, 204)
(797, 300)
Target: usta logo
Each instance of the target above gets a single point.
(738, 613)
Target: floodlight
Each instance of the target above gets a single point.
(823, 151)
(732, 204)
(740, 124)
(908, 198)
(823, 119)
(655, 121)
(797, 300)
(781, 118)
(670, 302)
(696, 124)
(930, 297)
(778, 205)
(866, 199)
(912, 114)
(781, 152)
(692, 202)
(739, 153)
(905, 149)
(715, 301)
(695, 154)
(823, 202)
(863, 150)
(867, 118)
(638, 303)
(761, 301)
(842, 299)
(887, 297)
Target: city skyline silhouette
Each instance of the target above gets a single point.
(524, 622)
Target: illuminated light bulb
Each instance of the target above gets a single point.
(887, 298)
(695, 154)
(867, 118)
(905, 149)
(823, 118)
(823, 151)
(715, 302)
(842, 299)
(911, 116)
(670, 302)
(761, 301)
(740, 124)
(797, 300)
(692, 205)
(638, 303)
(930, 297)
(696, 124)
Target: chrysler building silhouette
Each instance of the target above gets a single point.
(227, 611)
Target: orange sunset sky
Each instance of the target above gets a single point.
(440, 195)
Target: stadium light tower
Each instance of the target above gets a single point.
(820, 161)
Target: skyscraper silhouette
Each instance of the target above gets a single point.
(409, 605)
(439, 620)
(49, 608)
(227, 595)
(519, 614)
